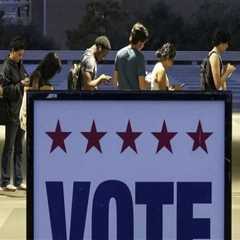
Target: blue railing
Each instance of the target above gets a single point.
(186, 69)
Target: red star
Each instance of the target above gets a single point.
(200, 138)
(93, 138)
(129, 138)
(164, 137)
(58, 138)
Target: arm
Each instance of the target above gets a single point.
(143, 84)
(89, 83)
(116, 72)
(161, 79)
(115, 78)
(219, 81)
(87, 68)
(11, 90)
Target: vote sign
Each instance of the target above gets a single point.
(129, 166)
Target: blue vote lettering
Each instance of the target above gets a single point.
(154, 195)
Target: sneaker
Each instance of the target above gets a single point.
(22, 186)
(10, 188)
(1, 189)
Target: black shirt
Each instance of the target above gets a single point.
(210, 83)
(12, 73)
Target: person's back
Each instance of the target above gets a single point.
(158, 68)
(88, 63)
(87, 77)
(166, 55)
(130, 65)
(129, 72)
(208, 83)
(39, 80)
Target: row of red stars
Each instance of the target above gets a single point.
(129, 137)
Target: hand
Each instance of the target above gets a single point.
(105, 78)
(176, 87)
(47, 88)
(230, 68)
(26, 82)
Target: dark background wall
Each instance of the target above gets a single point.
(62, 15)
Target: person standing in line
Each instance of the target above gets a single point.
(159, 78)
(14, 78)
(129, 73)
(39, 80)
(215, 74)
(87, 78)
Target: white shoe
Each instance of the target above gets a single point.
(1, 189)
(10, 188)
(22, 186)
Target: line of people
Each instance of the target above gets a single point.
(129, 67)
(15, 81)
(129, 74)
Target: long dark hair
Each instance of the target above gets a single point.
(47, 68)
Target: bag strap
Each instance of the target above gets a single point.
(211, 53)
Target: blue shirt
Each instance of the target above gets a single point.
(129, 64)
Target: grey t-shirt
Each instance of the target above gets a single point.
(88, 64)
(129, 64)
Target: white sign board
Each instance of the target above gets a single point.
(128, 169)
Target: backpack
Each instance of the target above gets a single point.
(74, 77)
(205, 71)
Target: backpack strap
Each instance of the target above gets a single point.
(211, 53)
(73, 76)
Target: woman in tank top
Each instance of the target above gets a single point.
(159, 77)
(218, 74)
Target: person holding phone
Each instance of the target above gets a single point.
(88, 79)
(218, 73)
(159, 78)
(15, 78)
(40, 81)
